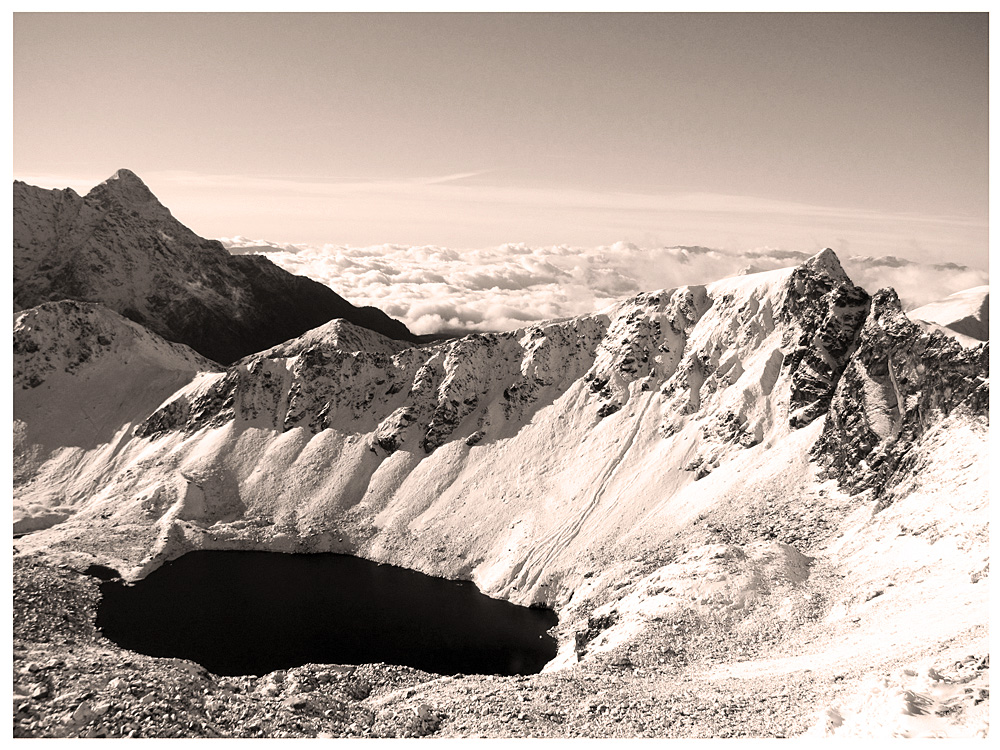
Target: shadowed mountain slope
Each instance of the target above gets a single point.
(120, 247)
(966, 313)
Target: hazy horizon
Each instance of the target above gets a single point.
(864, 132)
(433, 288)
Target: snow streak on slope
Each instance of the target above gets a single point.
(83, 378)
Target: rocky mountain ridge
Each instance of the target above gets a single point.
(697, 373)
(899, 383)
(439, 387)
(120, 247)
(724, 475)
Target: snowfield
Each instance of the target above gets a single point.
(964, 315)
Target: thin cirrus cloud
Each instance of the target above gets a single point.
(471, 209)
(434, 288)
(450, 177)
(452, 212)
(560, 264)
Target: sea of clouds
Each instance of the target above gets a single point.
(434, 289)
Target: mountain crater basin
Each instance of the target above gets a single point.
(242, 612)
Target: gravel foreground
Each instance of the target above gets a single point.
(69, 681)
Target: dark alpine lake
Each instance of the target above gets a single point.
(254, 612)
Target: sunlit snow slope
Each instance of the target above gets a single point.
(964, 315)
(505, 457)
(84, 377)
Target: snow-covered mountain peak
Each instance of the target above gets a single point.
(964, 314)
(119, 246)
(63, 337)
(338, 334)
(83, 375)
(827, 263)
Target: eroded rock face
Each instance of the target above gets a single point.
(407, 397)
(423, 397)
(899, 382)
(120, 247)
(829, 311)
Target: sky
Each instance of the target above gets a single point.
(864, 132)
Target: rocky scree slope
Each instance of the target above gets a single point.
(120, 247)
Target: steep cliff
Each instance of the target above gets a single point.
(900, 382)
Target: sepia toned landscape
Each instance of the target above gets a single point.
(661, 478)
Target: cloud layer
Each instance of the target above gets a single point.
(434, 288)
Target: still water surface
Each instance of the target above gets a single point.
(255, 612)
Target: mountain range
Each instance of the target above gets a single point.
(775, 474)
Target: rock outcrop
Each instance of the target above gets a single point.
(830, 311)
(899, 383)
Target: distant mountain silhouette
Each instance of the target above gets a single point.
(120, 247)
